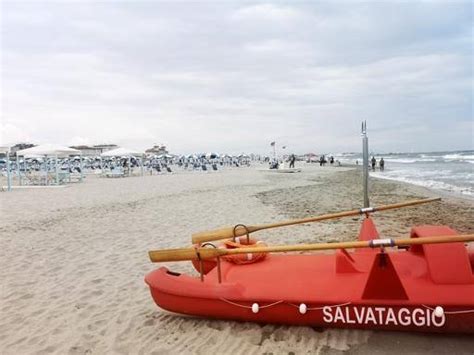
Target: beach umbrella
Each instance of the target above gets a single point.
(167, 156)
(212, 155)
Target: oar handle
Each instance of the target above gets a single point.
(210, 253)
(229, 232)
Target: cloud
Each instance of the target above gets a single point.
(267, 12)
(230, 77)
(11, 134)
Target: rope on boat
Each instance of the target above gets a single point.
(278, 302)
(331, 306)
(320, 308)
(250, 307)
(451, 312)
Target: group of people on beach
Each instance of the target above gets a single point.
(373, 163)
(323, 160)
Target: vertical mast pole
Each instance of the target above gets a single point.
(365, 163)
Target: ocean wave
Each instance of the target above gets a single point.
(458, 157)
(410, 161)
(429, 183)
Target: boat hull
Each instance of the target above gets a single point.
(428, 288)
(419, 318)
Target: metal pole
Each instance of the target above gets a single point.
(18, 168)
(365, 163)
(81, 166)
(56, 168)
(9, 177)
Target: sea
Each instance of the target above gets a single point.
(447, 171)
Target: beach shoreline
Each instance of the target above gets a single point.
(73, 260)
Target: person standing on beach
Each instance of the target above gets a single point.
(382, 164)
(292, 161)
(322, 160)
(374, 162)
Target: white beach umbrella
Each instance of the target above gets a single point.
(212, 155)
(52, 150)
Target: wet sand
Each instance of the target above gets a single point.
(72, 260)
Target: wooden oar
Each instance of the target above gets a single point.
(240, 230)
(210, 253)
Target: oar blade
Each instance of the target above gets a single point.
(165, 255)
(182, 254)
(218, 234)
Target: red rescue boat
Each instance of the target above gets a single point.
(428, 288)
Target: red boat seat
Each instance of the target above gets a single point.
(439, 256)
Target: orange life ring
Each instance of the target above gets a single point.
(244, 258)
(208, 265)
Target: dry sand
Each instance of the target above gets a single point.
(72, 260)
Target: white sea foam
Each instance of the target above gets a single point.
(410, 161)
(425, 181)
(458, 157)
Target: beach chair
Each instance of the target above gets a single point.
(204, 167)
(214, 167)
(168, 169)
(116, 172)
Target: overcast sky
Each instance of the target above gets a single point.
(232, 77)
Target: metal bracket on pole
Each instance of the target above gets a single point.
(365, 163)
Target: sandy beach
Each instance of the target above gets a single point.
(73, 259)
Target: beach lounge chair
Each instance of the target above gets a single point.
(214, 167)
(116, 172)
(204, 167)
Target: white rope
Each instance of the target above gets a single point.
(320, 308)
(278, 302)
(451, 312)
(332, 306)
(250, 307)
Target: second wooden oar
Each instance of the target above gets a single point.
(210, 253)
(240, 230)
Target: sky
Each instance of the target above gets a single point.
(234, 76)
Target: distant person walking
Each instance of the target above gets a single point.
(292, 161)
(322, 160)
(374, 162)
(382, 164)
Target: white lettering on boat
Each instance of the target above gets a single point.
(418, 317)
